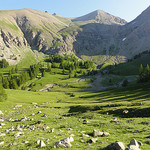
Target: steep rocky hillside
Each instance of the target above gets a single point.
(99, 36)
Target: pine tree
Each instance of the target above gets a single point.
(5, 83)
(3, 95)
(141, 70)
(43, 73)
(147, 71)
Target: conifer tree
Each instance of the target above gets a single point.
(141, 70)
(147, 71)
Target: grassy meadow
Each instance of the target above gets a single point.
(123, 112)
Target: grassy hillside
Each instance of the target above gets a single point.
(132, 68)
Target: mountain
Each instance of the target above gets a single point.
(98, 36)
(136, 34)
(102, 17)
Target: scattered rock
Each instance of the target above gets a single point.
(34, 103)
(115, 120)
(40, 121)
(134, 142)
(2, 124)
(18, 134)
(42, 144)
(64, 143)
(11, 120)
(125, 111)
(2, 134)
(85, 135)
(18, 106)
(47, 141)
(97, 133)
(38, 142)
(26, 142)
(116, 146)
(105, 134)
(1, 113)
(85, 121)
(52, 130)
(93, 140)
(39, 112)
(132, 147)
(2, 143)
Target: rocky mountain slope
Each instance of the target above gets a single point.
(101, 17)
(109, 38)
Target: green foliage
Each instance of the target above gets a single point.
(144, 74)
(9, 25)
(125, 83)
(3, 63)
(141, 70)
(3, 95)
(43, 73)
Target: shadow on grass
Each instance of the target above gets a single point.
(83, 109)
(134, 92)
(132, 113)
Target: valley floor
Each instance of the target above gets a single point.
(51, 116)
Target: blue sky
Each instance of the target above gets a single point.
(126, 9)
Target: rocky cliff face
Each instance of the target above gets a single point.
(95, 34)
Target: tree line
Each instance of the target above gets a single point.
(13, 81)
(144, 73)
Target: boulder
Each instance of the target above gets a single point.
(2, 143)
(134, 142)
(42, 144)
(65, 143)
(133, 147)
(93, 140)
(116, 146)
(1, 113)
(97, 133)
(85, 121)
(105, 134)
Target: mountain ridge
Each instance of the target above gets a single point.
(100, 16)
(95, 34)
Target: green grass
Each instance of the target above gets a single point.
(132, 68)
(65, 111)
(5, 24)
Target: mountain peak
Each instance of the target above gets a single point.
(100, 16)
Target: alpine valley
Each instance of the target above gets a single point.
(74, 83)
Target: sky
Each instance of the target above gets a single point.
(125, 9)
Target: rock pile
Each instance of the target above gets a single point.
(134, 145)
(99, 133)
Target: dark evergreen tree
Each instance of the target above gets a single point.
(5, 83)
(43, 73)
(16, 69)
(3, 63)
